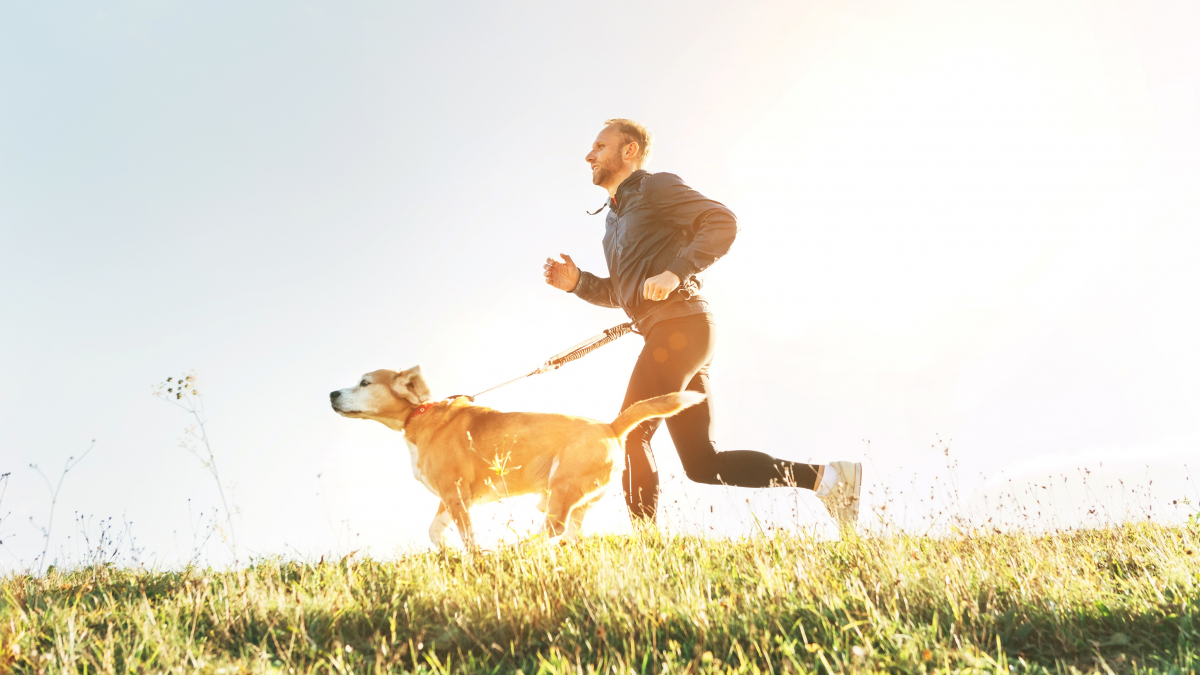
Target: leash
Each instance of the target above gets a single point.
(578, 351)
(564, 357)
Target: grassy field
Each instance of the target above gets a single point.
(1123, 599)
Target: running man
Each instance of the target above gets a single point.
(659, 236)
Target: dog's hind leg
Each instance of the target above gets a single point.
(563, 499)
(543, 505)
(437, 529)
(575, 524)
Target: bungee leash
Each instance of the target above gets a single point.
(578, 351)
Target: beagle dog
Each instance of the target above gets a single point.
(468, 454)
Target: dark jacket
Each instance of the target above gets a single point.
(657, 223)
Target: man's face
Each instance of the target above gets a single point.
(608, 157)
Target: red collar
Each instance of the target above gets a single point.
(419, 410)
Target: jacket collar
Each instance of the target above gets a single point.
(634, 178)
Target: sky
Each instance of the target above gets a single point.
(967, 253)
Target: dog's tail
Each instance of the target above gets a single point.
(659, 406)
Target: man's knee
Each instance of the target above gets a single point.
(702, 472)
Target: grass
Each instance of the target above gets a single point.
(1121, 599)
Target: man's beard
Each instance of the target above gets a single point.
(605, 172)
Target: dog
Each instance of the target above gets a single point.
(469, 455)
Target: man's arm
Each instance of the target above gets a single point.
(596, 290)
(567, 277)
(710, 223)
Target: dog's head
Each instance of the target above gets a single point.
(385, 396)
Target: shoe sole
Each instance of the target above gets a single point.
(857, 491)
(857, 480)
(853, 503)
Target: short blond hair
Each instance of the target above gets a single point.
(633, 133)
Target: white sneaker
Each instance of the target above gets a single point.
(842, 500)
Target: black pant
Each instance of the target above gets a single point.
(676, 356)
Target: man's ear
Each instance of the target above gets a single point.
(410, 386)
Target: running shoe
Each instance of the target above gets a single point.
(842, 501)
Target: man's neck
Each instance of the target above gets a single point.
(612, 188)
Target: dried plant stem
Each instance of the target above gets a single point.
(184, 394)
(72, 462)
(211, 463)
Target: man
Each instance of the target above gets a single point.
(659, 236)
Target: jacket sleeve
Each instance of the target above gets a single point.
(596, 290)
(711, 226)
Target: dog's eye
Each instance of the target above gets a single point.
(363, 383)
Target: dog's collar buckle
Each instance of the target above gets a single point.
(419, 410)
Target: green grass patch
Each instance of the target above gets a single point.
(1123, 599)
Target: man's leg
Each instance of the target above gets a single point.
(669, 360)
(691, 431)
(640, 479)
(676, 356)
(682, 349)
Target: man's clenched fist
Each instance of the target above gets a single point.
(658, 287)
(561, 275)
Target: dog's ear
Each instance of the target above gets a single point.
(410, 386)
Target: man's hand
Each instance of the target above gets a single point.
(660, 286)
(562, 275)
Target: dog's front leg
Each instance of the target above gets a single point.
(457, 499)
(437, 529)
(462, 520)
